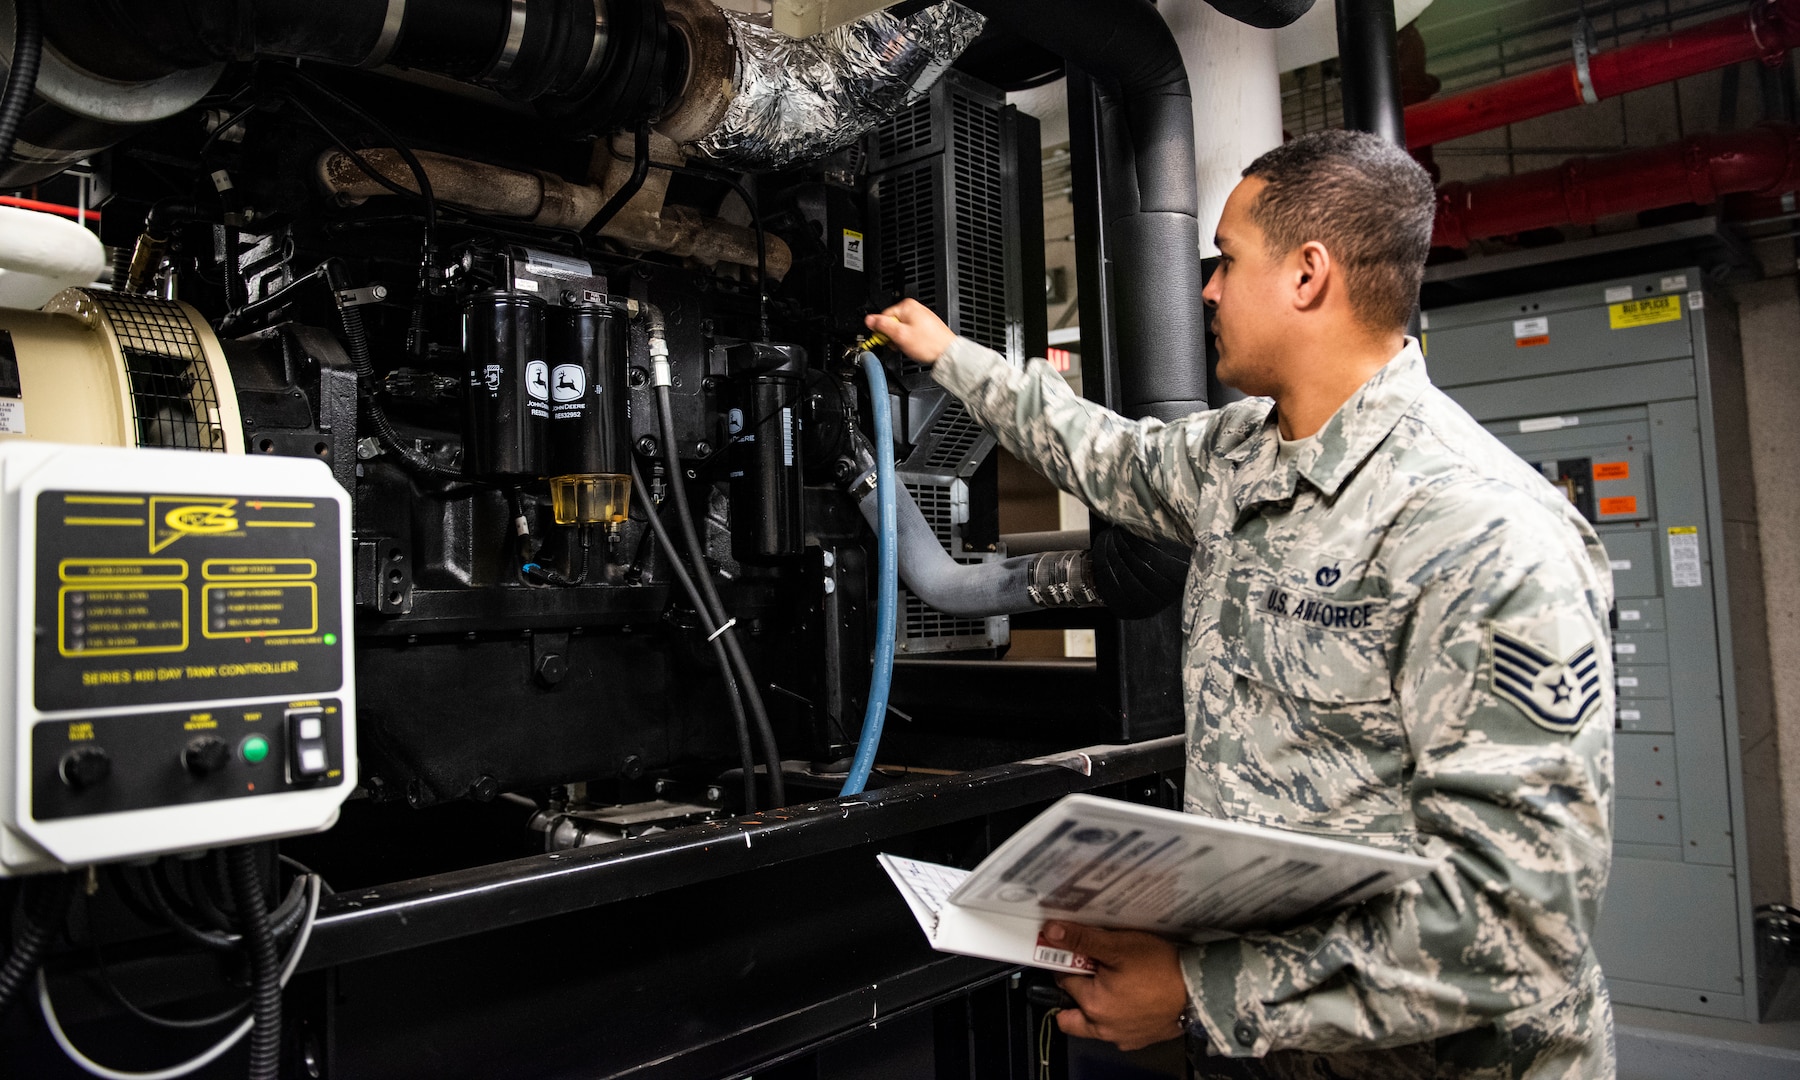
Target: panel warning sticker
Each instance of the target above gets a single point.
(1684, 557)
(853, 250)
(1612, 470)
(1619, 504)
(1530, 332)
(1646, 312)
(12, 416)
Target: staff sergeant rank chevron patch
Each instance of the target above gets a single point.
(1557, 694)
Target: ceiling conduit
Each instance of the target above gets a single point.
(1699, 169)
(1765, 32)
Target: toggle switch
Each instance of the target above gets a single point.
(306, 736)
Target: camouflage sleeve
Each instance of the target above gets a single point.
(1502, 677)
(1144, 475)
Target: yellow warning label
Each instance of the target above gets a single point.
(1646, 312)
(1683, 530)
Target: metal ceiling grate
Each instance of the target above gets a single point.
(174, 402)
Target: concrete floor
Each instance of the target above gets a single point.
(1656, 1045)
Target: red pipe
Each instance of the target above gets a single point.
(1765, 32)
(49, 208)
(1699, 169)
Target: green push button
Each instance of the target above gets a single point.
(254, 749)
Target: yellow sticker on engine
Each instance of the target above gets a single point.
(1646, 312)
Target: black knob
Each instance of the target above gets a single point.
(85, 766)
(205, 755)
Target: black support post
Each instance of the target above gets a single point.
(1370, 68)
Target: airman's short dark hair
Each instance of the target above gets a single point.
(1366, 200)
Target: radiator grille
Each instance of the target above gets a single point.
(174, 402)
(980, 206)
(937, 508)
(909, 226)
(924, 628)
(955, 437)
(905, 131)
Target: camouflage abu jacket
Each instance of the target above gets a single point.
(1399, 636)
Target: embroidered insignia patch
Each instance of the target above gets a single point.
(1557, 694)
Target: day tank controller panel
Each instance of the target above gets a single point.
(176, 627)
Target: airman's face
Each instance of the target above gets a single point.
(1247, 295)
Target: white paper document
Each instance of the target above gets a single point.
(1101, 862)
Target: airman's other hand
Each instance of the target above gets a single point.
(1135, 998)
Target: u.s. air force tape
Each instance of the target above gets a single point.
(1327, 614)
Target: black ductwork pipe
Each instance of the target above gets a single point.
(1152, 202)
(1368, 48)
(598, 60)
(1268, 14)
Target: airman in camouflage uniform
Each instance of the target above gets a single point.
(1398, 635)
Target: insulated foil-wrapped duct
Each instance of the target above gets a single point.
(797, 100)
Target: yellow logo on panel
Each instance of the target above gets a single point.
(173, 518)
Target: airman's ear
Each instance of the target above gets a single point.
(1312, 265)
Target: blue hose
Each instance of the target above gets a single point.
(887, 600)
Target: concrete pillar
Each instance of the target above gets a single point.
(1769, 321)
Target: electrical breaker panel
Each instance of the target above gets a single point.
(1628, 396)
(174, 631)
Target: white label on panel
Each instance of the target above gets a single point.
(1674, 284)
(545, 264)
(1624, 648)
(1622, 564)
(1618, 295)
(1628, 681)
(1684, 557)
(1424, 320)
(1547, 423)
(1524, 328)
(1696, 301)
(853, 250)
(525, 284)
(1631, 615)
(1631, 714)
(12, 417)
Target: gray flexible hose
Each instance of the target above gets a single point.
(965, 590)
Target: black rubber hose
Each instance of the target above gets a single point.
(265, 963)
(152, 891)
(200, 891)
(45, 904)
(640, 168)
(281, 297)
(765, 731)
(21, 80)
(356, 344)
(673, 558)
(756, 219)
